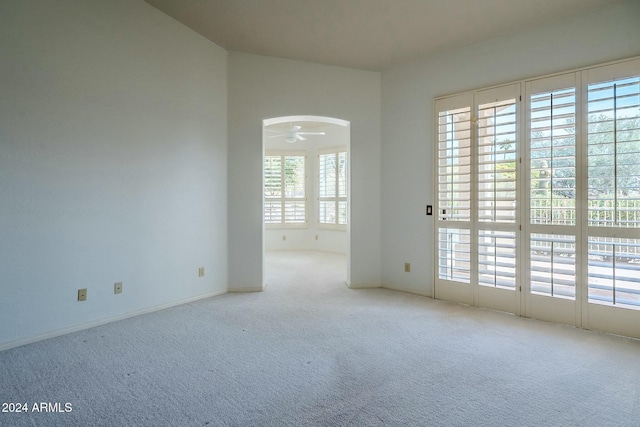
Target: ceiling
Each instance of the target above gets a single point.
(364, 34)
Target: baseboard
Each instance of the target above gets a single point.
(363, 285)
(407, 290)
(247, 289)
(389, 287)
(93, 324)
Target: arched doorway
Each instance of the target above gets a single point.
(306, 176)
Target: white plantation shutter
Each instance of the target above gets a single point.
(454, 157)
(332, 188)
(294, 212)
(342, 188)
(553, 265)
(552, 186)
(497, 145)
(273, 189)
(614, 271)
(497, 161)
(561, 241)
(328, 176)
(454, 254)
(454, 164)
(497, 258)
(552, 157)
(294, 173)
(613, 186)
(285, 189)
(613, 110)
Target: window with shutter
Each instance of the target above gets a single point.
(497, 259)
(552, 188)
(454, 164)
(553, 265)
(454, 254)
(567, 247)
(613, 152)
(497, 200)
(613, 127)
(332, 188)
(285, 189)
(497, 161)
(552, 143)
(454, 194)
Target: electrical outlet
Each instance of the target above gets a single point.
(407, 267)
(201, 272)
(82, 294)
(284, 237)
(117, 288)
(316, 237)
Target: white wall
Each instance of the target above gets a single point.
(262, 87)
(112, 163)
(407, 139)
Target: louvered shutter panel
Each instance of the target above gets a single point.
(294, 190)
(552, 186)
(284, 189)
(454, 191)
(332, 178)
(273, 189)
(497, 161)
(553, 157)
(613, 128)
(454, 164)
(613, 110)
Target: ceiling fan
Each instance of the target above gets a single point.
(293, 134)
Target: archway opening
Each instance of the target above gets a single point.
(307, 192)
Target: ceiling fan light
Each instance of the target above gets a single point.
(290, 139)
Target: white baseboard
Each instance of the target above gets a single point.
(247, 289)
(93, 324)
(389, 287)
(407, 290)
(363, 285)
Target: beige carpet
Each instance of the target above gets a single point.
(310, 352)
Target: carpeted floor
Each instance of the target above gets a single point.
(310, 352)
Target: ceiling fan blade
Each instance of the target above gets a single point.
(311, 133)
(300, 138)
(273, 130)
(277, 136)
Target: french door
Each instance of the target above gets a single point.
(477, 222)
(538, 188)
(552, 181)
(612, 192)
